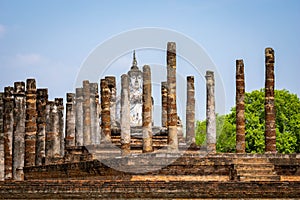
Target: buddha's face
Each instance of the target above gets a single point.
(136, 81)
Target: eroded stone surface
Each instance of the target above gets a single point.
(210, 113)
(240, 107)
(270, 126)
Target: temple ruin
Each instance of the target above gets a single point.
(81, 144)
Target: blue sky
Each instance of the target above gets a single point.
(49, 40)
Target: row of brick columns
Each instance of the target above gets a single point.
(31, 128)
(270, 126)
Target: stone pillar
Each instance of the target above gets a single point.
(240, 107)
(105, 111)
(19, 131)
(190, 111)
(111, 81)
(98, 114)
(1, 138)
(147, 110)
(164, 104)
(125, 115)
(79, 117)
(30, 124)
(41, 104)
(210, 113)
(8, 127)
(93, 110)
(270, 130)
(52, 135)
(172, 108)
(59, 102)
(70, 120)
(86, 113)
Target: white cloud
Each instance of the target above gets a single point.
(2, 30)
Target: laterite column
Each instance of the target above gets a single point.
(172, 108)
(210, 113)
(41, 104)
(86, 113)
(79, 117)
(240, 107)
(70, 120)
(270, 127)
(190, 111)
(93, 109)
(19, 131)
(59, 102)
(125, 115)
(30, 124)
(111, 82)
(147, 110)
(105, 111)
(1, 138)
(8, 128)
(164, 104)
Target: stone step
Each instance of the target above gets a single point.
(259, 178)
(254, 166)
(255, 172)
(252, 161)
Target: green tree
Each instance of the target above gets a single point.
(287, 124)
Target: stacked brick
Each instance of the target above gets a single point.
(172, 108)
(240, 107)
(30, 124)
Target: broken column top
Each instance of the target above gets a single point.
(239, 66)
(19, 88)
(30, 84)
(111, 81)
(190, 78)
(171, 47)
(8, 91)
(70, 97)
(269, 52)
(59, 101)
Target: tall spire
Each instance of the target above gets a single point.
(134, 62)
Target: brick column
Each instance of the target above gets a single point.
(1, 138)
(240, 107)
(125, 115)
(93, 110)
(70, 120)
(30, 124)
(52, 135)
(41, 104)
(172, 109)
(8, 127)
(19, 131)
(270, 130)
(105, 111)
(59, 102)
(86, 113)
(98, 114)
(147, 110)
(164, 104)
(79, 117)
(190, 111)
(111, 81)
(210, 113)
